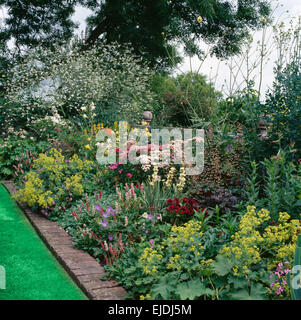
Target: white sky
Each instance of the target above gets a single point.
(217, 71)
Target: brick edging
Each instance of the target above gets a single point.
(81, 267)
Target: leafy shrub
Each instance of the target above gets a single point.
(164, 268)
(241, 109)
(259, 245)
(67, 78)
(283, 107)
(210, 197)
(104, 231)
(13, 148)
(183, 96)
(275, 184)
(175, 266)
(55, 182)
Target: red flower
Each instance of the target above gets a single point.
(169, 202)
(177, 201)
(177, 208)
(170, 208)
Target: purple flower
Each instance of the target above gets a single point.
(110, 237)
(111, 211)
(151, 241)
(98, 207)
(150, 217)
(105, 214)
(104, 223)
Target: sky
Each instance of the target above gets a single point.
(217, 71)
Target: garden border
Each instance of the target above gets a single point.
(80, 266)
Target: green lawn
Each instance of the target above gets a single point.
(32, 273)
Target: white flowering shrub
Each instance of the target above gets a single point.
(66, 79)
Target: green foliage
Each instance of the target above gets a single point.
(130, 21)
(183, 97)
(20, 115)
(103, 231)
(172, 266)
(54, 182)
(240, 109)
(31, 23)
(64, 80)
(283, 107)
(13, 148)
(275, 184)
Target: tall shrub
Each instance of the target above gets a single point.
(110, 76)
(283, 107)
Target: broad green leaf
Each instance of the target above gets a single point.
(258, 292)
(190, 290)
(222, 265)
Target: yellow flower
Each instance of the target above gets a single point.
(88, 147)
(263, 19)
(199, 19)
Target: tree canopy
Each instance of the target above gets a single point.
(148, 25)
